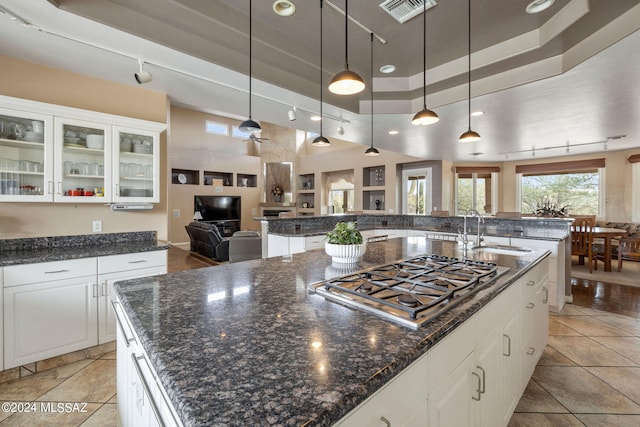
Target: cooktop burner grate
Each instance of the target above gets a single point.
(414, 290)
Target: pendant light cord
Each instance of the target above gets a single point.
(469, 58)
(250, 54)
(424, 54)
(371, 90)
(321, 2)
(346, 34)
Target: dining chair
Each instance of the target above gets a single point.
(628, 249)
(509, 215)
(582, 240)
(439, 213)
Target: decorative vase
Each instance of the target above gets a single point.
(345, 254)
(277, 198)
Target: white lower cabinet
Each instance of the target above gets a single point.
(53, 308)
(141, 399)
(122, 267)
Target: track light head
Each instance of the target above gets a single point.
(142, 76)
(292, 114)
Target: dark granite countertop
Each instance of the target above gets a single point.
(46, 249)
(249, 344)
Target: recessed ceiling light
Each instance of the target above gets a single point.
(393, 132)
(284, 7)
(386, 69)
(315, 118)
(537, 6)
(477, 113)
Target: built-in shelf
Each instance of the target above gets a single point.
(306, 182)
(373, 200)
(373, 176)
(225, 177)
(246, 180)
(185, 176)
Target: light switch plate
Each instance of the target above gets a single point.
(97, 226)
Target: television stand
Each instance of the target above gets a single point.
(226, 227)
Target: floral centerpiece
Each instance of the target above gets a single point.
(344, 243)
(277, 192)
(550, 209)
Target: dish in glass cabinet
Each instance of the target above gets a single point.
(182, 178)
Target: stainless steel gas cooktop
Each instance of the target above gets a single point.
(412, 291)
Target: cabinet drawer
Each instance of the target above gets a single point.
(133, 261)
(48, 271)
(314, 242)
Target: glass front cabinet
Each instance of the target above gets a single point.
(65, 155)
(26, 155)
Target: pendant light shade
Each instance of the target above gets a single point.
(250, 126)
(425, 116)
(320, 140)
(371, 151)
(469, 135)
(346, 82)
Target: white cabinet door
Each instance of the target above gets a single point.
(136, 160)
(26, 159)
(1, 321)
(489, 372)
(82, 161)
(47, 319)
(511, 378)
(451, 403)
(106, 319)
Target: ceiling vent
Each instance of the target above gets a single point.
(403, 10)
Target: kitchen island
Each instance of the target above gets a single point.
(249, 344)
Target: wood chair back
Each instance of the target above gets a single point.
(628, 249)
(509, 215)
(582, 240)
(439, 213)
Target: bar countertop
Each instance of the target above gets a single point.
(249, 344)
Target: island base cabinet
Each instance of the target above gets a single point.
(398, 403)
(142, 402)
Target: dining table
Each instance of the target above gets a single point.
(607, 233)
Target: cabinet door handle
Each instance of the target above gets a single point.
(531, 351)
(104, 289)
(147, 390)
(386, 422)
(508, 353)
(59, 187)
(138, 261)
(50, 187)
(118, 190)
(477, 397)
(530, 305)
(56, 271)
(546, 295)
(484, 374)
(531, 283)
(120, 323)
(95, 290)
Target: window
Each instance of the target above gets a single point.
(341, 200)
(417, 191)
(476, 188)
(217, 128)
(237, 133)
(575, 187)
(341, 191)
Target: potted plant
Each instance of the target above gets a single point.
(344, 243)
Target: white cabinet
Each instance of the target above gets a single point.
(49, 309)
(479, 372)
(53, 308)
(122, 267)
(390, 232)
(64, 154)
(26, 156)
(142, 401)
(314, 242)
(396, 402)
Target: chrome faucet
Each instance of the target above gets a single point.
(465, 238)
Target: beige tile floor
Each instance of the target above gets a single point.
(589, 375)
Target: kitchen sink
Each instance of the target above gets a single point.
(503, 250)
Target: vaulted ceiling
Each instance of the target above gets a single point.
(565, 76)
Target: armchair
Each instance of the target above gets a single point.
(207, 241)
(245, 245)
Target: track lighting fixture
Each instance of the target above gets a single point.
(250, 126)
(340, 129)
(346, 82)
(469, 135)
(424, 116)
(142, 76)
(292, 114)
(320, 140)
(371, 151)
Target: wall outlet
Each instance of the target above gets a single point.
(97, 226)
(176, 213)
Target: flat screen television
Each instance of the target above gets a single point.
(218, 208)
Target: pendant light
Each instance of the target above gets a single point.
(371, 151)
(320, 140)
(250, 126)
(469, 135)
(346, 82)
(424, 116)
